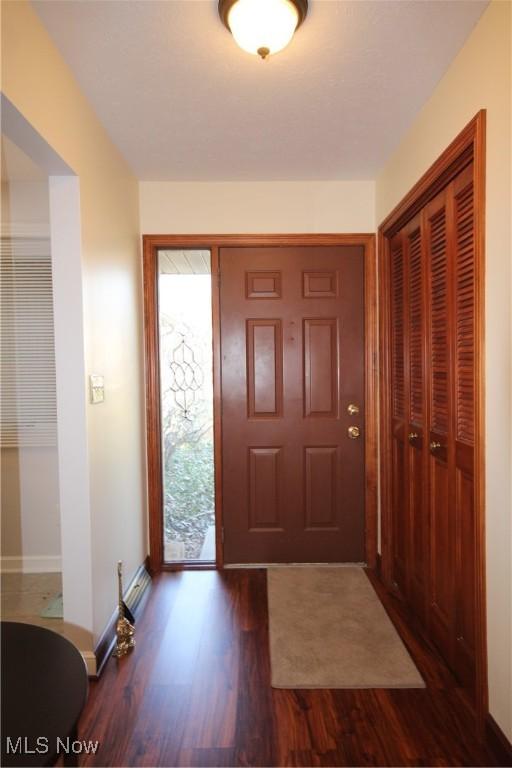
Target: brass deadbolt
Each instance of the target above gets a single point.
(352, 409)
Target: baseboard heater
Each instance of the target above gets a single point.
(135, 596)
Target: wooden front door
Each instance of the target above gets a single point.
(293, 375)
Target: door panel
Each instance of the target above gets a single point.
(265, 488)
(264, 344)
(466, 578)
(398, 377)
(321, 478)
(321, 367)
(415, 485)
(292, 350)
(418, 538)
(442, 555)
(464, 397)
(399, 516)
(416, 330)
(442, 512)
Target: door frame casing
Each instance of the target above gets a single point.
(151, 245)
(468, 146)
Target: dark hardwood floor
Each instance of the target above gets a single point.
(196, 692)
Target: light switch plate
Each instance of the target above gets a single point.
(97, 388)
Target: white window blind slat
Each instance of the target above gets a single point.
(28, 415)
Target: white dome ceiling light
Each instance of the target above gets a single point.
(263, 27)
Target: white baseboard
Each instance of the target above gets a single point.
(31, 564)
(90, 662)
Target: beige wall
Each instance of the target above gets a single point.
(40, 85)
(255, 207)
(30, 510)
(480, 77)
(25, 207)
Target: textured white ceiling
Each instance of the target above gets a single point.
(183, 102)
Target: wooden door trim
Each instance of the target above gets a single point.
(372, 399)
(213, 243)
(468, 146)
(153, 423)
(151, 245)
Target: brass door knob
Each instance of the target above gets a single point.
(352, 409)
(412, 436)
(353, 432)
(434, 445)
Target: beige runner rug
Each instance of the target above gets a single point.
(328, 629)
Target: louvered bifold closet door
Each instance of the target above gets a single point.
(433, 368)
(464, 422)
(416, 462)
(399, 480)
(442, 527)
(449, 225)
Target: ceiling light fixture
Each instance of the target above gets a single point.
(263, 27)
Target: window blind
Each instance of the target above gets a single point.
(28, 414)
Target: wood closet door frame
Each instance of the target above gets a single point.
(213, 243)
(468, 146)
